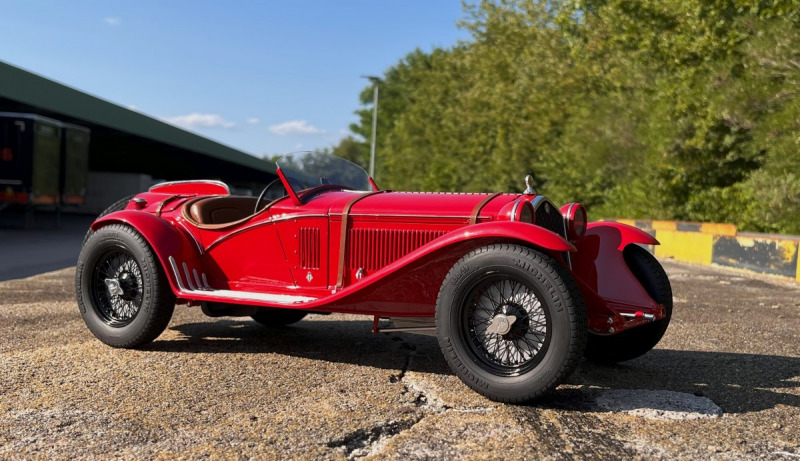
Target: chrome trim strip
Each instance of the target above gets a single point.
(254, 296)
(177, 273)
(410, 329)
(203, 181)
(649, 317)
(378, 215)
(258, 224)
(569, 210)
(188, 277)
(229, 294)
(286, 218)
(197, 279)
(537, 201)
(11, 182)
(514, 210)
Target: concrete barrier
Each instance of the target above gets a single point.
(724, 245)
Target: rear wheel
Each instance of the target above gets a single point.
(639, 340)
(511, 322)
(270, 317)
(122, 292)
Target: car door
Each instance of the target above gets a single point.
(305, 240)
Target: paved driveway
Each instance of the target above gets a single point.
(43, 248)
(723, 384)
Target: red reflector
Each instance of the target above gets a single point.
(6, 154)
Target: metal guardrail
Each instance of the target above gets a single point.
(722, 244)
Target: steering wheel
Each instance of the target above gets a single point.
(264, 193)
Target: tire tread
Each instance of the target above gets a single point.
(574, 307)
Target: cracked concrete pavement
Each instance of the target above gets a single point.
(328, 388)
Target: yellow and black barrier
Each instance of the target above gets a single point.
(724, 245)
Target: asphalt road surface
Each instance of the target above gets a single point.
(44, 247)
(723, 384)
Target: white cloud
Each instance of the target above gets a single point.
(253, 120)
(295, 127)
(197, 120)
(111, 21)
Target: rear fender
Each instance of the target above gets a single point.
(606, 282)
(165, 240)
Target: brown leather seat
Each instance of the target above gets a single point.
(221, 210)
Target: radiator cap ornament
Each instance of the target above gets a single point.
(529, 186)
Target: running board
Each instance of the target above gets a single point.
(197, 287)
(418, 325)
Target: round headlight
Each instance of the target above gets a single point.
(575, 219)
(524, 213)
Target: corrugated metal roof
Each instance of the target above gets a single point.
(34, 90)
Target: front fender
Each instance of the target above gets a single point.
(165, 240)
(606, 281)
(409, 286)
(519, 231)
(624, 233)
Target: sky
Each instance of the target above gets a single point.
(265, 77)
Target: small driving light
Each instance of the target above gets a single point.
(575, 220)
(526, 213)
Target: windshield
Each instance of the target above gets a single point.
(305, 170)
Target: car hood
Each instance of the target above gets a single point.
(420, 204)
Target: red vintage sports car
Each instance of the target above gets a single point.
(516, 289)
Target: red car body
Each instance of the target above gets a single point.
(404, 243)
(386, 254)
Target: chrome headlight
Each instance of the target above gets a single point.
(522, 212)
(575, 220)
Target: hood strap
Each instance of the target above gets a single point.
(343, 236)
(476, 211)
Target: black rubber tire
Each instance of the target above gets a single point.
(156, 301)
(116, 206)
(278, 317)
(457, 309)
(637, 341)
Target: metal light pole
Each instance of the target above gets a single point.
(375, 81)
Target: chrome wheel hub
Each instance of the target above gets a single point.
(118, 288)
(501, 324)
(113, 287)
(507, 325)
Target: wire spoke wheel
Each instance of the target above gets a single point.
(506, 325)
(117, 288)
(511, 322)
(121, 288)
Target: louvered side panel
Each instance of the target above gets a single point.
(309, 247)
(373, 249)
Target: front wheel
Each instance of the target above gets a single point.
(122, 292)
(511, 322)
(639, 340)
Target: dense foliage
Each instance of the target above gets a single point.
(666, 109)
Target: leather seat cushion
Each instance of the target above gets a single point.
(221, 210)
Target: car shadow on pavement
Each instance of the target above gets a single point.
(338, 341)
(738, 383)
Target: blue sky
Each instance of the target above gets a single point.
(261, 76)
